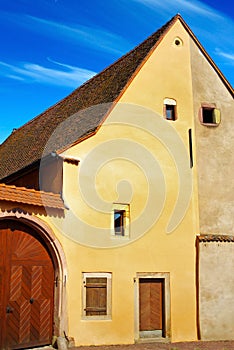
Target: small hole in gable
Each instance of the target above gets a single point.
(178, 42)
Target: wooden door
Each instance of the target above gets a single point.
(151, 304)
(26, 289)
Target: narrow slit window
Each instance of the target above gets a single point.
(170, 112)
(190, 148)
(119, 219)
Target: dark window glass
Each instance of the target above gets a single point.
(119, 222)
(170, 112)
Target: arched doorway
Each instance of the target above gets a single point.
(28, 279)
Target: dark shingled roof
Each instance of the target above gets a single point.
(26, 144)
(76, 114)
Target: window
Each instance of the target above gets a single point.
(97, 295)
(120, 220)
(169, 109)
(209, 115)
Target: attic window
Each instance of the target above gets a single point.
(169, 109)
(209, 115)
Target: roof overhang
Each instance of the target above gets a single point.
(30, 197)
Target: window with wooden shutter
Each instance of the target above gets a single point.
(209, 115)
(97, 295)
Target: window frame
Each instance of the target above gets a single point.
(108, 276)
(125, 208)
(216, 115)
(170, 102)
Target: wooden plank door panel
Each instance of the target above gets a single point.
(2, 273)
(29, 288)
(151, 304)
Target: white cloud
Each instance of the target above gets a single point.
(228, 56)
(96, 38)
(195, 7)
(70, 76)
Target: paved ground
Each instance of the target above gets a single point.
(221, 345)
(199, 345)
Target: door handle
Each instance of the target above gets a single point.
(9, 309)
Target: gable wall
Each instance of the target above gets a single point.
(215, 164)
(88, 247)
(214, 149)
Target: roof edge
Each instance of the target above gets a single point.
(207, 56)
(215, 238)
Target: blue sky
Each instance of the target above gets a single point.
(50, 47)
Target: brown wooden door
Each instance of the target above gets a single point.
(26, 288)
(151, 309)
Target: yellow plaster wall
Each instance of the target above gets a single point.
(165, 74)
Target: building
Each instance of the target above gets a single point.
(116, 218)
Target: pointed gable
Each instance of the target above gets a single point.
(26, 145)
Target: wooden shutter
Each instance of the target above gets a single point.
(96, 296)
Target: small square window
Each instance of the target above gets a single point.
(209, 115)
(97, 295)
(120, 220)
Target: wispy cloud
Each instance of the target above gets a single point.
(212, 27)
(69, 76)
(228, 56)
(96, 38)
(195, 7)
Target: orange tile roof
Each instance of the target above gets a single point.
(30, 196)
(215, 238)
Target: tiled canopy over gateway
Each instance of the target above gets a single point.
(23, 195)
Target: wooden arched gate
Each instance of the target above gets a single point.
(26, 288)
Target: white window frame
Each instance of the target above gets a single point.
(106, 275)
(126, 209)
